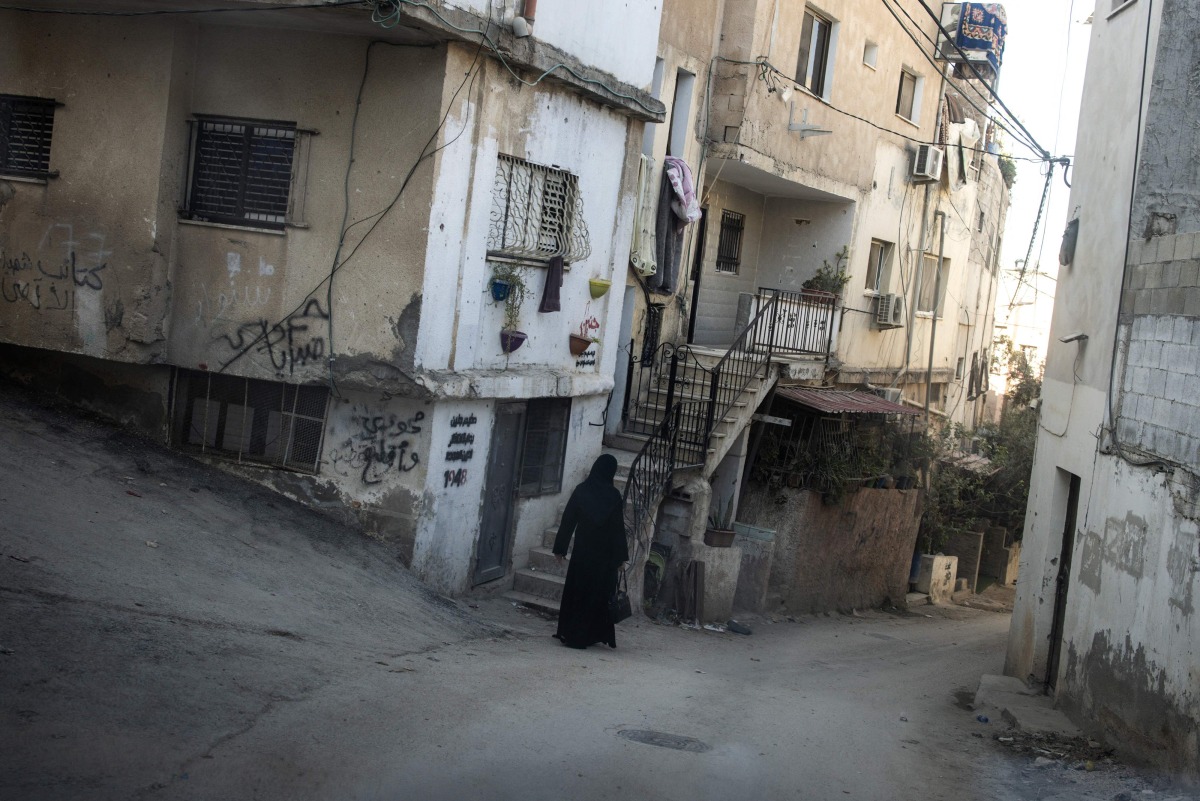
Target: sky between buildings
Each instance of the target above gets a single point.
(1041, 81)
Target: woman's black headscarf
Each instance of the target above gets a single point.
(604, 470)
(597, 496)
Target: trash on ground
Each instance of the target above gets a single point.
(151, 543)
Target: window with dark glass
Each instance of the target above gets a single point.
(812, 64)
(241, 171)
(729, 245)
(546, 423)
(26, 127)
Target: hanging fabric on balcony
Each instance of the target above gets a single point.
(677, 206)
(680, 176)
(984, 27)
(641, 252)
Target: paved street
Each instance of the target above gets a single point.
(170, 632)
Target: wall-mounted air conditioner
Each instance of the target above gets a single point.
(893, 393)
(927, 164)
(889, 313)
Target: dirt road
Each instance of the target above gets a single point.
(171, 632)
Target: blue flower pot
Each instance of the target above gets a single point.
(500, 290)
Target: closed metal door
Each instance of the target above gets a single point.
(499, 494)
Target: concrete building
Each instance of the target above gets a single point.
(818, 143)
(820, 151)
(1105, 614)
(272, 237)
(268, 236)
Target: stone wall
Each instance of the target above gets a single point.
(854, 555)
(1160, 384)
(968, 547)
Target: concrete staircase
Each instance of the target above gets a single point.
(540, 583)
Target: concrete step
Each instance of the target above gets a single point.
(543, 560)
(534, 601)
(548, 535)
(543, 585)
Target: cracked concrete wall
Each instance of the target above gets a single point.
(854, 555)
(1130, 658)
(84, 256)
(254, 303)
(1127, 668)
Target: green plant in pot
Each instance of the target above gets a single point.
(830, 278)
(510, 337)
(719, 533)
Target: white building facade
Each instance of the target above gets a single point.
(1105, 613)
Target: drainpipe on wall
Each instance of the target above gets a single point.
(523, 25)
(937, 294)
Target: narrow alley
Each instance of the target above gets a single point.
(171, 632)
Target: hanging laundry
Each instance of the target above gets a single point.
(680, 175)
(677, 207)
(554, 278)
(642, 249)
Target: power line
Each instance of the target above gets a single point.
(1045, 154)
(1029, 143)
(940, 68)
(767, 67)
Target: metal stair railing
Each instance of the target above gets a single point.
(650, 476)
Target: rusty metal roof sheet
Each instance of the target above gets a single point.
(836, 401)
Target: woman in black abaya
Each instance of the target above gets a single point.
(595, 517)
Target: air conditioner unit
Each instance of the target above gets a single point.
(893, 394)
(927, 163)
(889, 313)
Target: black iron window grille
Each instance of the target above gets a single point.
(729, 246)
(246, 172)
(542, 455)
(537, 213)
(247, 420)
(26, 127)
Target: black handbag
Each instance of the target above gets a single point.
(619, 606)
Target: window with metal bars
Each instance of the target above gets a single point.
(247, 420)
(242, 172)
(729, 246)
(545, 446)
(26, 127)
(537, 213)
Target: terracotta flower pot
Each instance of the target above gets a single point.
(579, 344)
(718, 537)
(511, 340)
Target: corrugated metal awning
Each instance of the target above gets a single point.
(836, 401)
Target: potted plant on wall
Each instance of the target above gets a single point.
(508, 286)
(719, 533)
(584, 339)
(829, 279)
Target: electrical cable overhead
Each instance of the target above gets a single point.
(1045, 153)
(1033, 239)
(766, 67)
(941, 68)
(1021, 138)
(426, 153)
